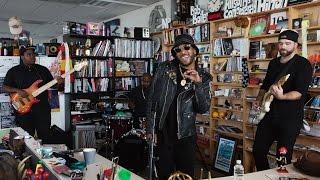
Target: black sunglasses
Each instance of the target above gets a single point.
(185, 47)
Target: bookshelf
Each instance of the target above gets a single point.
(259, 64)
(115, 66)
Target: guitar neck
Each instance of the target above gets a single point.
(49, 84)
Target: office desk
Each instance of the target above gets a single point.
(31, 146)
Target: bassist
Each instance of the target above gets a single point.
(21, 77)
(284, 120)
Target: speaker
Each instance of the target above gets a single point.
(140, 32)
(52, 49)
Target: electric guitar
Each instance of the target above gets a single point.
(23, 104)
(268, 98)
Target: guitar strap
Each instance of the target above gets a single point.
(285, 69)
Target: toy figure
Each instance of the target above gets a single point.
(282, 161)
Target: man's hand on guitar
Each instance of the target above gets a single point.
(277, 91)
(22, 93)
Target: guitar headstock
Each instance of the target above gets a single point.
(78, 66)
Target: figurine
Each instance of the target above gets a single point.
(282, 160)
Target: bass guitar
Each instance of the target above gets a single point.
(23, 104)
(268, 98)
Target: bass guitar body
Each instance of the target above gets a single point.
(22, 105)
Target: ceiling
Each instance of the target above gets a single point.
(44, 18)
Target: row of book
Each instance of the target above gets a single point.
(127, 83)
(169, 36)
(85, 85)
(130, 48)
(102, 48)
(233, 64)
(262, 50)
(228, 46)
(227, 92)
(96, 68)
(200, 33)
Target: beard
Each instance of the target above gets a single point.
(285, 53)
(186, 61)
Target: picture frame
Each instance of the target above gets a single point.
(224, 158)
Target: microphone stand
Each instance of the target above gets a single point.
(152, 165)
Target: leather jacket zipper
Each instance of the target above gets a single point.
(165, 101)
(178, 114)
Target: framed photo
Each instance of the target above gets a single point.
(225, 155)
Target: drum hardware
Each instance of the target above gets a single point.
(152, 165)
(81, 104)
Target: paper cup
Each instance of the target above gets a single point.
(89, 155)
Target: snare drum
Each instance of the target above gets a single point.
(132, 149)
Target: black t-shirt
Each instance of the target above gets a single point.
(289, 111)
(138, 96)
(22, 76)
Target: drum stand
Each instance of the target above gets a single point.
(152, 159)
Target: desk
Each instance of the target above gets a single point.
(261, 175)
(31, 146)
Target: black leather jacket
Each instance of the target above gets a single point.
(195, 99)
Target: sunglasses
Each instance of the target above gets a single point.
(185, 47)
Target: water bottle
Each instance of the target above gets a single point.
(238, 171)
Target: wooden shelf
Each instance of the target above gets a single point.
(202, 117)
(227, 109)
(306, 5)
(314, 28)
(226, 84)
(253, 86)
(225, 97)
(204, 42)
(258, 72)
(199, 24)
(309, 137)
(256, 60)
(226, 120)
(176, 27)
(203, 136)
(227, 72)
(227, 37)
(313, 43)
(264, 36)
(230, 134)
(225, 56)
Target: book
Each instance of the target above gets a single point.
(254, 50)
(259, 25)
(227, 46)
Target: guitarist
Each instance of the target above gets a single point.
(285, 118)
(23, 76)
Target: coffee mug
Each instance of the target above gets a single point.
(89, 155)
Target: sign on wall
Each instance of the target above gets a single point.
(233, 8)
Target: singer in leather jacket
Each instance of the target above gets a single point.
(179, 91)
(195, 99)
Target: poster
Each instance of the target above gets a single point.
(224, 156)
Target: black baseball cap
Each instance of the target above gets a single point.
(289, 35)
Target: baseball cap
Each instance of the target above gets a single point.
(289, 35)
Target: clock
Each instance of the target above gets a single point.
(155, 18)
(214, 5)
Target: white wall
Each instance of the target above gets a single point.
(140, 17)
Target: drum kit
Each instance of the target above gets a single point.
(127, 142)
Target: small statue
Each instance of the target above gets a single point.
(282, 160)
